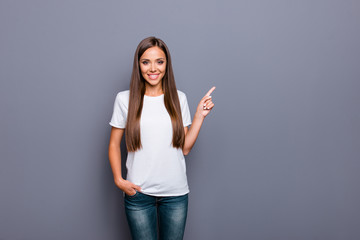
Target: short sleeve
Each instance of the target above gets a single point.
(119, 115)
(185, 111)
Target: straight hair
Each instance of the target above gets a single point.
(136, 98)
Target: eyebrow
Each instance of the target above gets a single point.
(149, 59)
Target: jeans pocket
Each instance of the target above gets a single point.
(132, 196)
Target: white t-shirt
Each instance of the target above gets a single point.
(158, 168)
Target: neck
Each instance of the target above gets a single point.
(153, 91)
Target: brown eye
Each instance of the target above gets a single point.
(160, 62)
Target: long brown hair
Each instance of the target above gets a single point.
(137, 91)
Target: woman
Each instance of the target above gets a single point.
(156, 117)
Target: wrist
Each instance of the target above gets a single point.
(199, 116)
(118, 180)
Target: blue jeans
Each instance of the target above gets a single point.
(150, 216)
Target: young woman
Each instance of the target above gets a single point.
(155, 117)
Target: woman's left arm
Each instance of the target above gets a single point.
(202, 110)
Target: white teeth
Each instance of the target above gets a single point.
(153, 76)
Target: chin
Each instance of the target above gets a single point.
(153, 83)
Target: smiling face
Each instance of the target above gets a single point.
(153, 67)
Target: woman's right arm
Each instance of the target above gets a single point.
(115, 161)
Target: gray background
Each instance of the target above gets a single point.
(277, 158)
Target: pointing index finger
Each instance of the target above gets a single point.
(210, 91)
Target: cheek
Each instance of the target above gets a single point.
(163, 68)
(142, 69)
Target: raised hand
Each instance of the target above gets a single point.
(206, 104)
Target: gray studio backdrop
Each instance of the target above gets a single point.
(278, 158)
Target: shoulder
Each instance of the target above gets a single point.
(123, 97)
(182, 99)
(123, 94)
(182, 95)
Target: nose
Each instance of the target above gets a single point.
(153, 67)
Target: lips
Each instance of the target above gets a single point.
(153, 76)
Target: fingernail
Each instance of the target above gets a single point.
(204, 104)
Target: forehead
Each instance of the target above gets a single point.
(153, 52)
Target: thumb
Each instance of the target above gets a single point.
(138, 188)
(205, 98)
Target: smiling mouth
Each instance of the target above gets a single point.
(153, 76)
